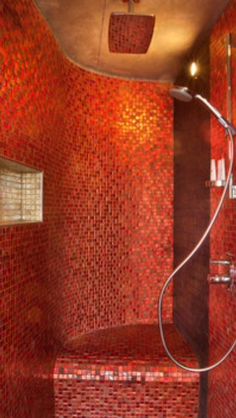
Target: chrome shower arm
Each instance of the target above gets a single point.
(224, 122)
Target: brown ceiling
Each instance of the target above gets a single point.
(81, 28)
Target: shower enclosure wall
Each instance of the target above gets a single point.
(106, 149)
(105, 247)
(222, 381)
(191, 214)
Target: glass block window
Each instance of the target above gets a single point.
(21, 193)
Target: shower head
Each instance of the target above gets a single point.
(130, 33)
(185, 95)
(181, 93)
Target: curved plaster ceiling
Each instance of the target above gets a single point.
(81, 28)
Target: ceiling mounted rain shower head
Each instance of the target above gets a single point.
(130, 33)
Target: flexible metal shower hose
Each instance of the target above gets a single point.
(185, 261)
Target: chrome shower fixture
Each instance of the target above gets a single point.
(228, 277)
(130, 33)
(184, 94)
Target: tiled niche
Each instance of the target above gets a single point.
(21, 193)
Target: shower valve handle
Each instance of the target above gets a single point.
(228, 279)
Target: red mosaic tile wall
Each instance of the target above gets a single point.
(222, 382)
(31, 126)
(105, 245)
(120, 224)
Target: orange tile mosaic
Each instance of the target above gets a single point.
(31, 125)
(122, 208)
(222, 381)
(106, 244)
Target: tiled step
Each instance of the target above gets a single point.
(124, 372)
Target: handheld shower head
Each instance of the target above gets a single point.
(181, 93)
(185, 95)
